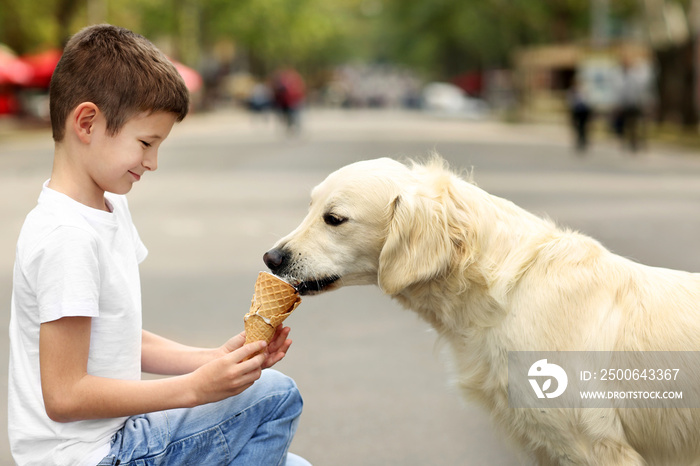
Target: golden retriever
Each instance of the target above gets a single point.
(491, 278)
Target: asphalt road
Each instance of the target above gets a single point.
(375, 389)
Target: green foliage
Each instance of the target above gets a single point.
(23, 27)
(441, 37)
(453, 35)
(278, 31)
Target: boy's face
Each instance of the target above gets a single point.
(117, 162)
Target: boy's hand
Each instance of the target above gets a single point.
(233, 344)
(228, 375)
(278, 347)
(276, 350)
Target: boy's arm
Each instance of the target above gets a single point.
(71, 394)
(162, 356)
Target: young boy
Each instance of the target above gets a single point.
(77, 348)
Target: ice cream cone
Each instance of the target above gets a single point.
(273, 301)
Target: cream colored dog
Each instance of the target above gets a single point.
(492, 278)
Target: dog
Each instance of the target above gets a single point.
(491, 278)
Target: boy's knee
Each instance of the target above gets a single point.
(276, 382)
(284, 382)
(273, 379)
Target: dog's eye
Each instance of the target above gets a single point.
(333, 220)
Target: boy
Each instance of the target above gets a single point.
(76, 345)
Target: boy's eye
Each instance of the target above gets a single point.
(145, 144)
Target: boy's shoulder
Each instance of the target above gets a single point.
(56, 219)
(45, 223)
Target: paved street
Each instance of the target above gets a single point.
(375, 390)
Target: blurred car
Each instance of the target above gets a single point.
(449, 100)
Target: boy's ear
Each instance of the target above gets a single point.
(83, 121)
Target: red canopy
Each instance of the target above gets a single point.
(192, 79)
(36, 70)
(12, 69)
(42, 65)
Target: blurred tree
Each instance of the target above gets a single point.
(442, 37)
(278, 32)
(672, 28)
(446, 37)
(303, 33)
(65, 11)
(26, 26)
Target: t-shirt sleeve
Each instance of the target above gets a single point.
(140, 248)
(121, 205)
(66, 274)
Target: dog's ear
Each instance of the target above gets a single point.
(418, 245)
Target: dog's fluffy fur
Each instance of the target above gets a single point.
(492, 278)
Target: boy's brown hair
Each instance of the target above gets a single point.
(119, 71)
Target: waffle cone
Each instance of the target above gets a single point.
(273, 301)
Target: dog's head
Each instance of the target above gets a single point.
(373, 222)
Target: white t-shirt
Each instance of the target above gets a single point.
(72, 260)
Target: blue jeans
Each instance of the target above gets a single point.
(252, 428)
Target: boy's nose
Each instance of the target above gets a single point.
(150, 163)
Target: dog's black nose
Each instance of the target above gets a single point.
(274, 258)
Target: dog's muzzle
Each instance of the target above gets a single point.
(278, 261)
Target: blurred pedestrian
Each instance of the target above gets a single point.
(633, 95)
(259, 100)
(581, 114)
(289, 92)
(77, 347)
